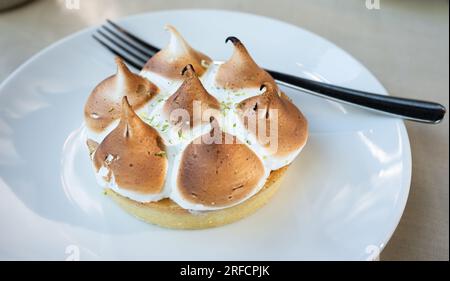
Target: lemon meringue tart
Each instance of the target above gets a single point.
(191, 143)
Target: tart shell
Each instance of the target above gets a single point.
(167, 213)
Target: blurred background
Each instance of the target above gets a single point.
(404, 43)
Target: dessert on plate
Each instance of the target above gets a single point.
(191, 143)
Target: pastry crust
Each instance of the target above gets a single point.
(167, 213)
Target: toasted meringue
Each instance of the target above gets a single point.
(165, 67)
(218, 173)
(191, 93)
(241, 71)
(176, 165)
(132, 156)
(103, 106)
(292, 127)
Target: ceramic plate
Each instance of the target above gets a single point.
(342, 198)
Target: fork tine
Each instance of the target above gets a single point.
(133, 37)
(122, 47)
(128, 42)
(131, 61)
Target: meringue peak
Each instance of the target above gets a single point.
(131, 124)
(241, 71)
(177, 43)
(123, 73)
(188, 71)
(132, 154)
(218, 174)
(169, 61)
(104, 104)
(121, 66)
(129, 121)
(189, 95)
(240, 53)
(291, 127)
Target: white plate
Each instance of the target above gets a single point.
(341, 199)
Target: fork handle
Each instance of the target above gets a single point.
(410, 109)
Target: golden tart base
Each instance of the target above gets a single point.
(167, 213)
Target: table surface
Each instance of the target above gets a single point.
(404, 43)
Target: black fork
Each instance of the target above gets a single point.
(136, 52)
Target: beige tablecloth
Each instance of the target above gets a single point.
(404, 43)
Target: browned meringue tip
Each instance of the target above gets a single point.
(233, 40)
(190, 91)
(126, 112)
(175, 33)
(188, 70)
(240, 70)
(240, 48)
(178, 53)
(216, 130)
(121, 66)
(170, 28)
(268, 87)
(104, 103)
(119, 62)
